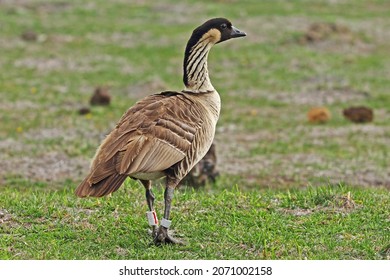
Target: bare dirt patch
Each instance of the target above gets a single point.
(49, 167)
(29, 156)
(37, 6)
(319, 135)
(180, 12)
(334, 37)
(321, 31)
(343, 204)
(50, 64)
(4, 216)
(318, 90)
(297, 211)
(355, 37)
(19, 105)
(273, 28)
(300, 169)
(319, 96)
(142, 89)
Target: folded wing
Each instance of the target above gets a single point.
(151, 136)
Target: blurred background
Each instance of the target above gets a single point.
(305, 96)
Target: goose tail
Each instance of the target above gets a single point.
(104, 187)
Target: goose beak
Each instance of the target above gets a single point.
(237, 33)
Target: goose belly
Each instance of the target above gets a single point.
(148, 176)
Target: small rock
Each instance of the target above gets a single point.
(101, 97)
(30, 36)
(318, 115)
(359, 114)
(84, 110)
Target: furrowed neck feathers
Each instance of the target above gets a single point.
(195, 72)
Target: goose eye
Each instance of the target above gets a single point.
(223, 26)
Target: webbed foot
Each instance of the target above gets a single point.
(162, 237)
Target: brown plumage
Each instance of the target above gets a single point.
(154, 136)
(164, 134)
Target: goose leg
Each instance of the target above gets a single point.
(150, 201)
(162, 232)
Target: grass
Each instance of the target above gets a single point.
(314, 223)
(288, 189)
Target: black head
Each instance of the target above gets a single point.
(219, 29)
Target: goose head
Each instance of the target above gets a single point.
(216, 30)
(213, 31)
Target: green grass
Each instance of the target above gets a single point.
(284, 184)
(314, 223)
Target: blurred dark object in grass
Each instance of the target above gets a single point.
(29, 35)
(359, 114)
(84, 110)
(321, 31)
(318, 115)
(205, 171)
(100, 97)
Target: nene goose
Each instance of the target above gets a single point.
(164, 134)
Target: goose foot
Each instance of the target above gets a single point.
(162, 237)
